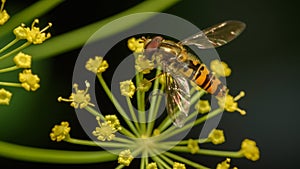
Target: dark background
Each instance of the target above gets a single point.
(264, 60)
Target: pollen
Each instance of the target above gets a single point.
(34, 34)
(5, 97)
(203, 106)
(143, 65)
(125, 157)
(229, 103)
(151, 166)
(250, 150)
(113, 121)
(216, 136)
(80, 98)
(4, 16)
(177, 165)
(22, 60)
(193, 146)
(136, 45)
(29, 81)
(96, 65)
(60, 132)
(127, 88)
(220, 68)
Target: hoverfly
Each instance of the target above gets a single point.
(179, 65)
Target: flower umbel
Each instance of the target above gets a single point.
(60, 132)
(250, 150)
(127, 88)
(216, 136)
(4, 16)
(220, 68)
(125, 157)
(33, 35)
(79, 99)
(22, 60)
(29, 81)
(5, 96)
(105, 131)
(96, 65)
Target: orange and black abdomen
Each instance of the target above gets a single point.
(207, 81)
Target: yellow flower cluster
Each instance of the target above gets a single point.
(4, 16)
(96, 65)
(127, 88)
(220, 68)
(143, 65)
(193, 146)
(225, 164)
(60, 132)
(80, 98)
(29, 81)
(152, 166)
(177, 165)
(136, 45)
(229, 103)
(125, 157)
(203, 106)
(34, 34)
(22, 60)
(5, 97)
(250, 150)
(216, 136)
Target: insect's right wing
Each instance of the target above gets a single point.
(215, 36)
(177, 98)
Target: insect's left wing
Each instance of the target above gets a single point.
(177, 99)
(215, 36)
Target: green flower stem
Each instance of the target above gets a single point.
(15, 50)
(140, 96)
(9, 69)
(94, 112)
(25, 153)
(94, 143)
(9, 45)
(168, 160)
(143, 163)
(120, 166)
(174, 130)
(165, 124)
(133, 114)
(197, 96)
(27, 15)
(160, 162)
(153, 104)
(126, 132)
(78, 37)
(232, 154)
(10, 84)
(184, 160)
(117, 105)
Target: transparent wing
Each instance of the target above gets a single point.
(215, 36)
(177, 98)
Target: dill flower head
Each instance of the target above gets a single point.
(250, 150)
(143, 65)
(4, 16)
(125, 157)
(96, 65)
(60, 132)
(193, 146)
(33, 35)
(136, 45)
(5, 97)
(29, 81)
(216, 136)
(220, 68)
(127, 88)
(80, 98)
(22, 60)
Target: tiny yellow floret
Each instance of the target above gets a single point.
(250, 150)
(193, 146)
(4, 16)
(5, 97)
(96, 65)
(152, 166)
(203, 106)
(229, 103)
(60, 132)
(29, 81)
(177, 165)
(113, 121)
(136, 45)
(127, 88)
(125, 157)
(216, 136)
(224, 164)
(34, 34)
(22, 60)
(143, 65)
(144, 85)
(81, 98)
(105, 131)
(220, 68)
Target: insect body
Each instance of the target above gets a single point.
(180, 65)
